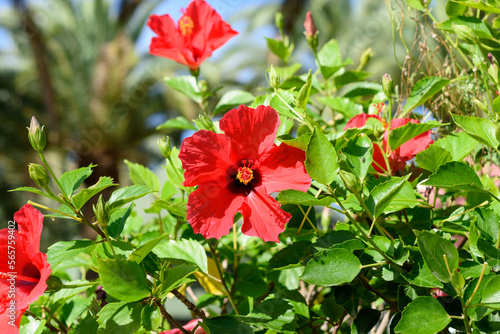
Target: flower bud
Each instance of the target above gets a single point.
(274, 78)
(491, 58)
(279, 21)
(365, 57)
(164, 144)
(305, 91)
(204, 122)
(387, 85)
(39, 175)
(54, 284)
(36, 135)
(101, 212)
(311, 31)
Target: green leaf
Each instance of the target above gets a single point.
(188, 250)
(140, 253)
(475, 24)
(382, 195)
(424, 315)
(117, 221)
(421, 275)
(32, 190)
(459, 144)
(143, 176)
(178, 209)
(299, 142)
(349, 77)
(482, 5)
(290, 256)
(481, 129)
(119, 318)
(291, 196)
(339, 239)
(186, 85)
(491, 294)
(279, 49)
(333, 267)
(405, 198)
(454, 9)
(362, 89)
(422, 91)
(174, 169)
(365, 321)
(281, 107)
(67, 250)
(125, 195)
(176, 276)
(433, 248)
(330, 59)
(321, 158)
(122, 279)
(177, 123)
(401, 135)
(455, 175)
(275, 314)
(359, 155)
(415, 4)
(342, 105)
(225, 325)
(70, 181)
(85, 194)
(232, 99)
(432, 158)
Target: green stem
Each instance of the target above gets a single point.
(56, 211)
(221, 274)
(366, 236)
(46, 164)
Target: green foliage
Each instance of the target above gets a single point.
(419, 245)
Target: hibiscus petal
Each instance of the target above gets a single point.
(283, 168)
(262, 216)
(252, 130)
(29, 223)
(205, 157)
(212, 31)
(359, 121)
(211, 209)
(162, 25)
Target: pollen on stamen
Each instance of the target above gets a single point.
(186, 25)
(245, 173)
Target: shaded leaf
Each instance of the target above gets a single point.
(433, 248)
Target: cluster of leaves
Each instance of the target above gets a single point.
(417, 251)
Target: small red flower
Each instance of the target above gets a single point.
(199, 32)
(236, 172)
(21, 263)
(397, 158)
(189, 327)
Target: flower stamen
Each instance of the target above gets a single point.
(245, 173)
(186, 25)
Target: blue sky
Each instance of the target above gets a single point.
(226, 8)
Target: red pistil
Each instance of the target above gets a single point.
(19, 278)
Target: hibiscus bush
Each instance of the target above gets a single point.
(328, 203)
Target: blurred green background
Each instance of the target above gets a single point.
(82, 68)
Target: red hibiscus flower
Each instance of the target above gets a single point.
(199, 32)
(236, 172)
(23, 268)
(189, 327)
(397, 158)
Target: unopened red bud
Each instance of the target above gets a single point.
(309, 25)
